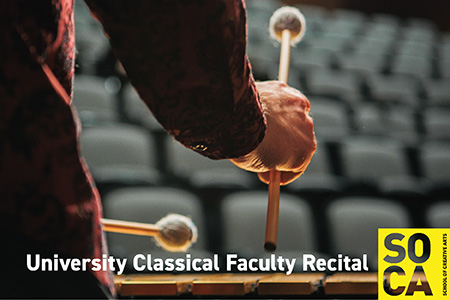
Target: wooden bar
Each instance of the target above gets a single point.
(242, 284)
(154, 285)
(229, 284)
(351, 284)
(294, 284)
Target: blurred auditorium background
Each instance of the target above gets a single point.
(377, 74)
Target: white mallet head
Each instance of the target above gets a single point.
(176, 233)
(290, 18)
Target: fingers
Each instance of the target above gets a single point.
(286, 177)
(264, 177)
(289, 141)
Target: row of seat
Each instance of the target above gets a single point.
(412, 58)
(97, 100)
(335, 120)
(350, 93)
(122, 152)
(235, 223)
(348, 86)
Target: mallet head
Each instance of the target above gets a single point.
(290, 18)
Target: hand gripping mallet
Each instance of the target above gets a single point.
(287, 26)
(174, 233)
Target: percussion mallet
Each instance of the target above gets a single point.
(174, 233)
(287, 26)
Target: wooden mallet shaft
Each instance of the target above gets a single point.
(128, 227)
(287, 25)
(285, 55)
(273, 207)
(273, 211)
(174, 233)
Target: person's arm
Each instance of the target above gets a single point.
(188, 63)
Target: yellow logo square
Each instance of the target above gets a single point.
(412, 263)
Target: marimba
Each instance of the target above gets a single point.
(261, 285)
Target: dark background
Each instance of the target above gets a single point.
(438, 10)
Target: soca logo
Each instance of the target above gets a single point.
(410, 253)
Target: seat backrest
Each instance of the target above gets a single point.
(371, 158)
(437, 123)
(320, 162)
(368, 119)
(136, 110)
(438, 215)
(244, 218)
(92, 100)
(353, 224)
(435, 161)
(200, 170)
(117, 145)
(149, 205)
(330, 117)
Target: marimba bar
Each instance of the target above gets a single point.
(294, 284)
(153, 285)
(364, 285)
(351, 284)
(261, 284)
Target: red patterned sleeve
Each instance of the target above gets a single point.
(187, 61)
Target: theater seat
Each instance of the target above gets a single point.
(379, 163)
(120, 153)
(93, 102)
(319, 180)
(331, 118)
(394, 89)
(436, 121)
(353, 224)
(244, 218)
(137, 111)
(202, 172)
(338, 84)
(435, 162)
(149, 205)
(438, 214)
